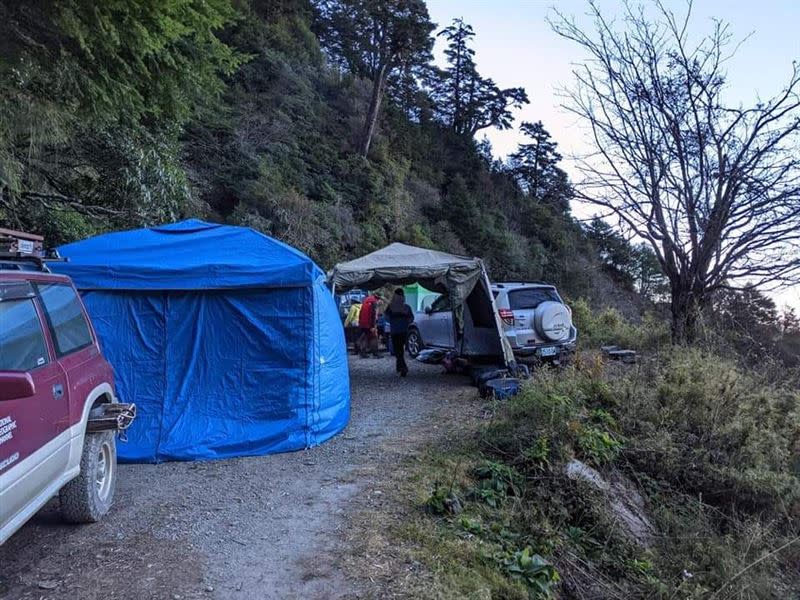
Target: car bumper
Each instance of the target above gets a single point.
(543, 350)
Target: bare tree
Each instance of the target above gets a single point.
(713, 188)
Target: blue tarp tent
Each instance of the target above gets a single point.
(227, 340)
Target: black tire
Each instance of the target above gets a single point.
(88, 497)
(414, 343)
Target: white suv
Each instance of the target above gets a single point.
(536, 320)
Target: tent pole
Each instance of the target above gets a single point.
(508, 353)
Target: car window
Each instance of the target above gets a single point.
(427, 301)
(22, 345)
(531, 297)
(68, 326)
(441, 304)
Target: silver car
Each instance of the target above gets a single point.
(535, 319)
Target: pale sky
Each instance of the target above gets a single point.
(515, 46)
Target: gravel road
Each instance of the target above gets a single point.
(266, 527)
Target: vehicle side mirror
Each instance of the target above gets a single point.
(428, 310)
(14, 386)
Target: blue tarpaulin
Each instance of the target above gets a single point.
(227, 340)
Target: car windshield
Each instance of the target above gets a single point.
(528, 298)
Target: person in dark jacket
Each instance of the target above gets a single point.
(400, 317)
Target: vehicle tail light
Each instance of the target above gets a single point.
(507, 316)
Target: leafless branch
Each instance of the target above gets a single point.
(714, 189)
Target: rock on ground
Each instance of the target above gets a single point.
(624, 501)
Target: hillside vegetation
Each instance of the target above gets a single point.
(253, 113)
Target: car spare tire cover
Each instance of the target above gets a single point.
(553, 321)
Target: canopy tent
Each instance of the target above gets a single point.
(227, 340)
(401, 264)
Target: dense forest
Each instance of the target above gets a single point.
(326, 125)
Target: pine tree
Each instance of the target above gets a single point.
(92, 92)
(466, 101)
(534, 164)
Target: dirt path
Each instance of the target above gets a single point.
(267, 527)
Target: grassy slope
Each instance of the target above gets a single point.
(711, 449)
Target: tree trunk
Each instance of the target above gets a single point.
(374, 108)
(687, 308)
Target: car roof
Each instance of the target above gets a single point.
(17, 275)
(31, 267)
(511, 285)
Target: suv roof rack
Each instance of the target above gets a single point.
(17, 261)
(503, 284)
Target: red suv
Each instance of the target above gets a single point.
(56, 400)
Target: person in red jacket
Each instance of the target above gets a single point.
(367, 319)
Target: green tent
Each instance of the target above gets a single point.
(415, 294)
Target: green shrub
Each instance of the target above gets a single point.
(609, 327)
(555, 418)
(496, 482)
(436, 502)
(597, 445)
(538, 455)
(703, 424)
(711, 446)
(538, 575)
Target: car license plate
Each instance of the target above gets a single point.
(548, 351)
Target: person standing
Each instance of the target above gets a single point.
(400, 317)
(351, 329)
(366, 324)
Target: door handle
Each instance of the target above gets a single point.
(58, 391)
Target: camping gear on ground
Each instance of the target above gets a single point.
(500, 389)
(228, 341)
(523, 371)
(431, 356)
(616, 353)
(480, 375)
(453, 364)
(462, 279)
